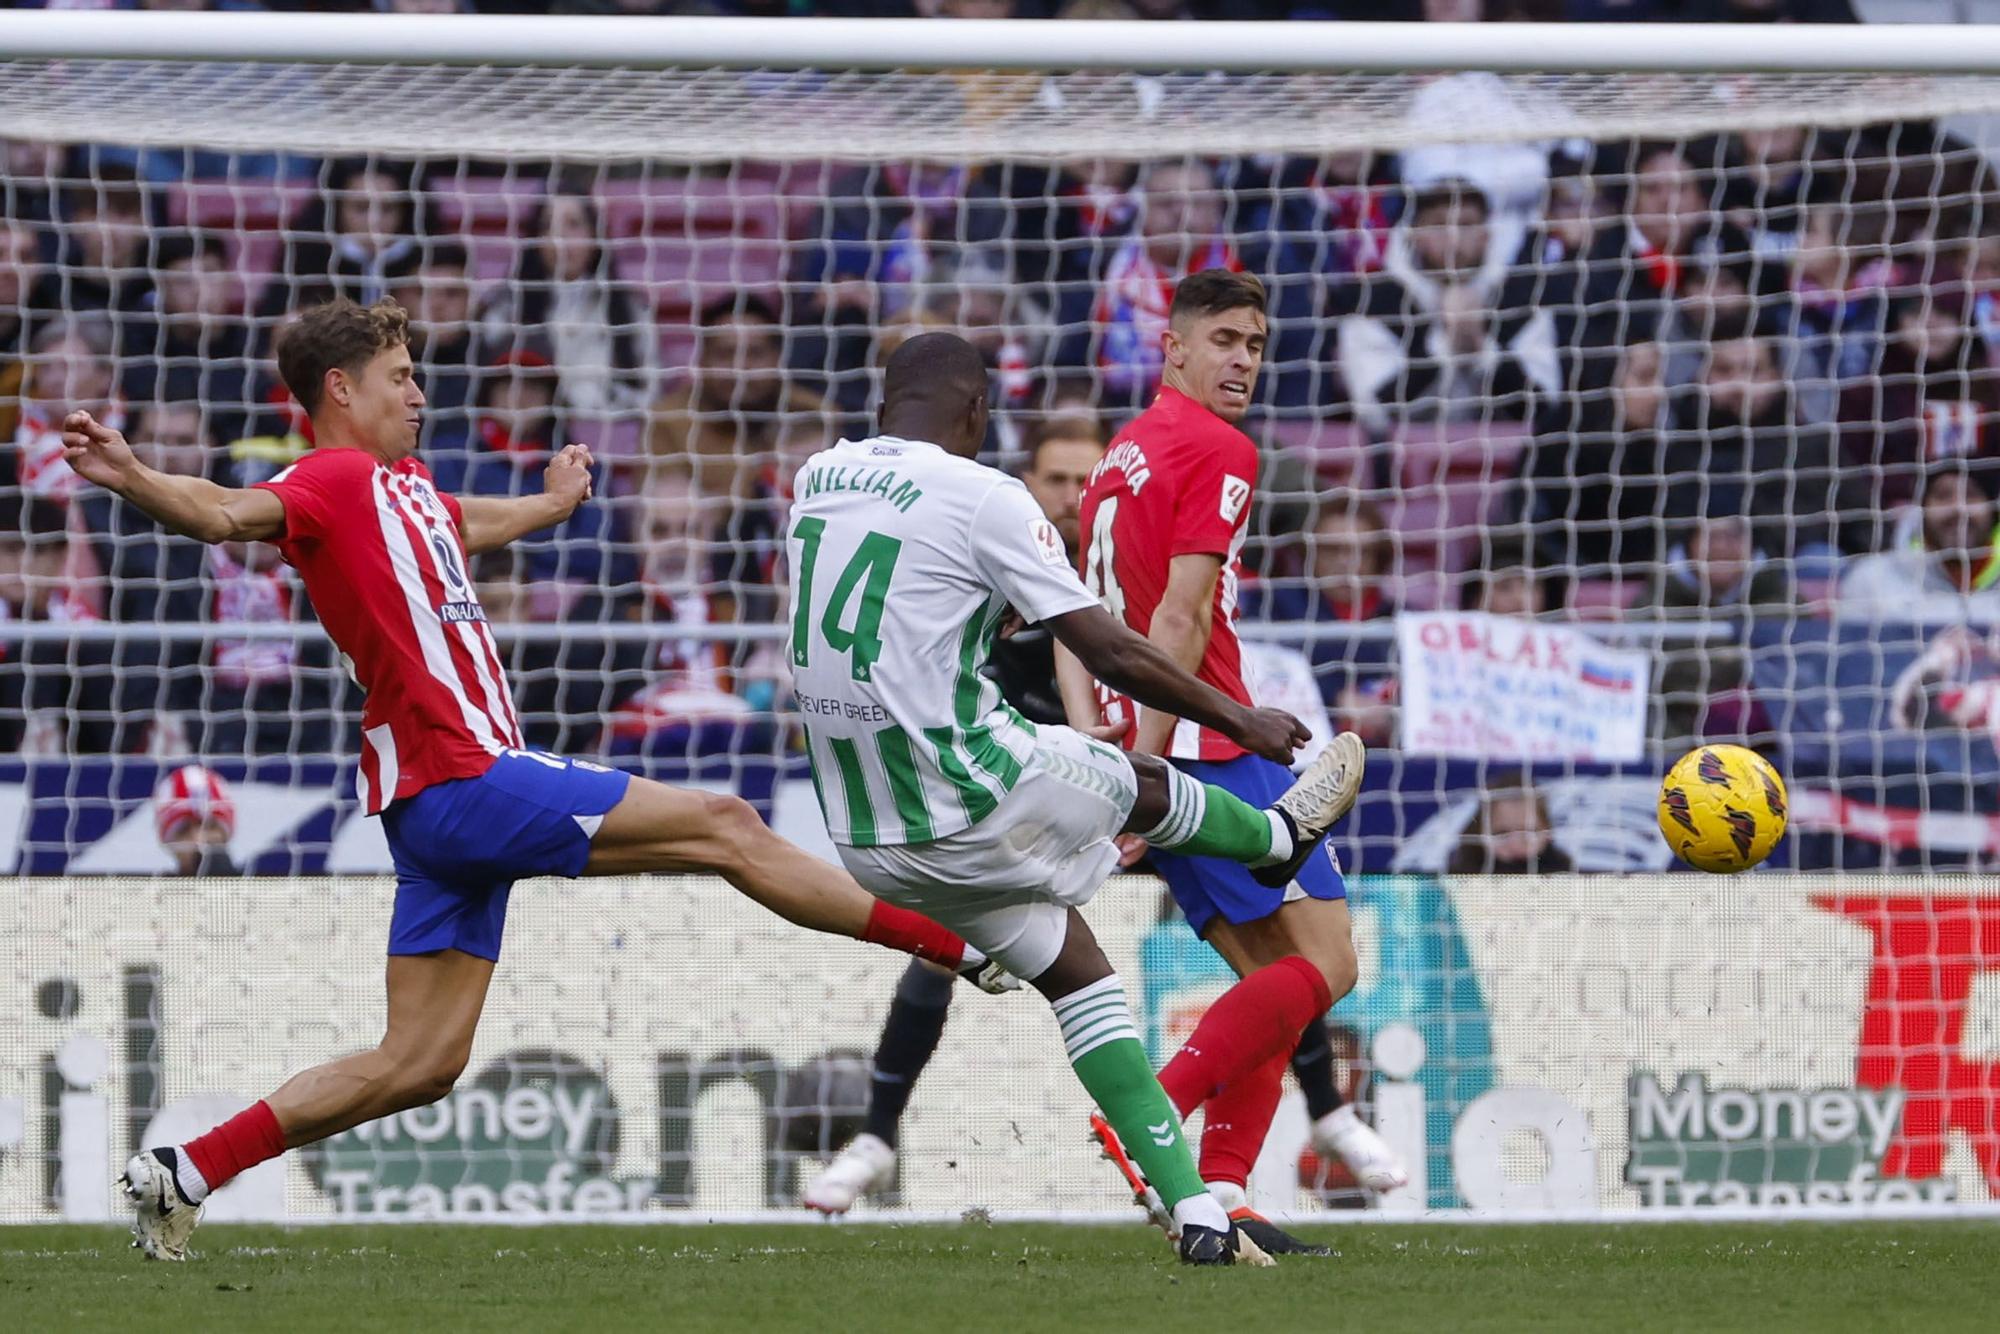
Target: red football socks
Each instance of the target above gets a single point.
(913, 933)
(1237, 1120)
(237, 1145)
(1255, 1022)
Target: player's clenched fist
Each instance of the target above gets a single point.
(94, 451)
(568, 477)
(1272, 733)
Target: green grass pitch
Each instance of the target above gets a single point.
(883, 1278)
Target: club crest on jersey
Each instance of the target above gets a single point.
(1048, 542)
(1235, 494)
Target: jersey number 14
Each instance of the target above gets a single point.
(870, 569)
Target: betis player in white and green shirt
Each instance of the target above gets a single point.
(906, 556)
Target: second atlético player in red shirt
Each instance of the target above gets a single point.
(1163, 522)
(466, 809)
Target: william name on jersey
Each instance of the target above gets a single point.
(868, 481)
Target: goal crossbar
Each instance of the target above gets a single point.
(918, 44)
(713, 90)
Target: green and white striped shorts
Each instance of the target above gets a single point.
(1007, 883)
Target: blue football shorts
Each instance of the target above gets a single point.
(1211, 887)
(459, 846)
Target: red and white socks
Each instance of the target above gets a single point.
(209, 1162)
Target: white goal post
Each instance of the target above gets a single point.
(1616, 374)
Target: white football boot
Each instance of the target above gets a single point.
(1342, 1134)
(162, 1218)
(1315, 803)
(866, 1164)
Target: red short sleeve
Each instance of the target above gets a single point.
(1214, 501)
(319, 488)
(453, 508)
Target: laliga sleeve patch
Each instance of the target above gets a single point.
(1235, 494)
(1048, 542)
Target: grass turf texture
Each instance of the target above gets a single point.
(882, 1279)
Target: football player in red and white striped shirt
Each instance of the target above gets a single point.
(466, 809)
(1163, 521)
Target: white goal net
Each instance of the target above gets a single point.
(1616, 402)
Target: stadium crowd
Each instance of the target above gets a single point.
(1737, 379)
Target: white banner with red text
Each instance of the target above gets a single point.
(1475, 686)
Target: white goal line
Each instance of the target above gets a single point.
(925, 44)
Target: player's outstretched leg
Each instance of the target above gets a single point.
(1194, 819)
(910, 1037)
(434, 1004)
(660, 829)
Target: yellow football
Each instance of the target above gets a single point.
(1722, 809)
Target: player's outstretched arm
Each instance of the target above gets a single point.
(1136, 667)
(491, 522)
(192, 506)
(1180, 627)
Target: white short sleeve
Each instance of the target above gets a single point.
(1019, 552)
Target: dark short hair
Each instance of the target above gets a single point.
(1509, 556)
(181, 245)
(1061, 426)
(1379, 546)
(931, 366)
(144, 416)
(1215, 291)
(1648, 149)
(339, 335)
(1452, 192)
(1735, 327)
(103, 181)
(1981, 475)
(429, 255)
(738, 306)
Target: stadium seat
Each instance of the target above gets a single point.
(486, 205)
(1603, 599)
(1438, 527)
(236, 206)
(1341, 449)
(682, 276)
(1431, 452)
(689, 208)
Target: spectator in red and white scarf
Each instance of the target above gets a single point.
(1179, 232)
(250, 587)
(69, 367)
(194, 814)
